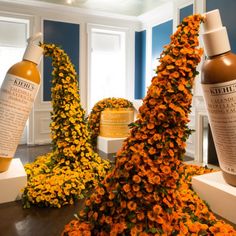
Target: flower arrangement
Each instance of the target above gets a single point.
(95, 114)
(72, 168)
(149, 192)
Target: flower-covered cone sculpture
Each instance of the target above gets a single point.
(72, 168)
(148, 192)
(95, 114)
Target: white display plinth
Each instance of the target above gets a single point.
(12, 181)
(220, 196)
(109, 145)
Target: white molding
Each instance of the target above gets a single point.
(149, 68)
(177, 6)
(200, 6)
(199, 136)
(157, 16)
(41, 125)
(70, 9)
(42, 141)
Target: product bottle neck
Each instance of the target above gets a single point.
(31, 62)
(218, 55)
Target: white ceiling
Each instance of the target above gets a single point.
(124, 7)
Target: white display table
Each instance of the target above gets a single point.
(220, 196)
(109, 145)
(12, 181)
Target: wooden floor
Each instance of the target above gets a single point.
(16, 221)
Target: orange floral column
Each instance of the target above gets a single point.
(149, 191)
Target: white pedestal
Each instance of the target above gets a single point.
(12, 181)
(109, 145)
(220, 196)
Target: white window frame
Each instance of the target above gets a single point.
(129, 90)
(28, 134)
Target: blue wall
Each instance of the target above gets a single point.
(228, 16)
(160, 37)
(140, 64)
(65, 35)
(185, 11)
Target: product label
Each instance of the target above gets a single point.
(220, 100)
(16, 99)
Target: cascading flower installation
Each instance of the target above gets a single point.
(72, 168)
(95, 114)
(149, 190)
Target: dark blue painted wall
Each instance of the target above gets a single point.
(160, 37)
(185, 11)
(65, 35)
(140, 64)
(228, 16)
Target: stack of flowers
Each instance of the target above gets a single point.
(72, 168)
(95, 114)
(149, 191)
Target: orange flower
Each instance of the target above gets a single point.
(122, 160)
(136, 179)
(123, 204)
(143, 234)
(126, 188)
(139, 194)
(110, 203)
(149, 188)
(156, 179)
(136, 187)
(175, 175)
(101, 191)
(151, 215)
(157, 209)
(130, 195)
(128, 166)
(165, 169)
(140, 216)
(168, 203)
(134, 231)
(111, 195)
(152, 151)
(132, 205)
(88, 202)
(97, 199)
(171, 152)
(108, 219)
(135, 158)
(183, 228)
(150, 126)
(160, 220)
(95, 216)
(152, 101)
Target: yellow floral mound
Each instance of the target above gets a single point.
(73, 168)
(148, 192)
(95, 114)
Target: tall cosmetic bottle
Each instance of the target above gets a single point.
(219, 89)
(17, 96)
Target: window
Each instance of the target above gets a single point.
(13, 38)
(107, 72)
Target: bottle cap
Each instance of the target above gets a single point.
(33, 52)
(215, 35)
